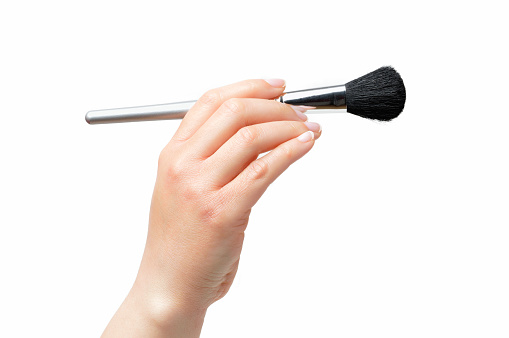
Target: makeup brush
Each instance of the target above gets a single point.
(379, 95)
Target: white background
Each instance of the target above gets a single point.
(396, 229)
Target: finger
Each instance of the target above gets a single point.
(249, 142)
(208, 103)
(247, 188)
(235, 114)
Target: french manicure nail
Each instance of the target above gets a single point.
(313, 126)
(306, 137)
(306, 107)
(300, 113)
(277, 83)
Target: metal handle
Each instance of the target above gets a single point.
(169, 111)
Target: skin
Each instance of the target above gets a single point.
(209, 177)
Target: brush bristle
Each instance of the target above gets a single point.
(379, 95)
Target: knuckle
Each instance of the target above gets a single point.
(210, 98)
(233, 106)
(286, 152)
(248, 135)
(176, 170)
(258, 169)
(211, 212)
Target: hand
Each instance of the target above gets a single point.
(209, 177)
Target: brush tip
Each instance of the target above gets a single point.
(379, 95)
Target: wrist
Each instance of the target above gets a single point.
(165, 315)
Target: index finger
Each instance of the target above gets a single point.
(208, 103)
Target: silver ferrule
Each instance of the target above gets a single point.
(333, 97)
(169, 111)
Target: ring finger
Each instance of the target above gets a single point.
(249, 142)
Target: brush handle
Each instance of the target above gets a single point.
(333, 97)
(169, 111)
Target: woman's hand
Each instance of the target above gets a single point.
(209, 177)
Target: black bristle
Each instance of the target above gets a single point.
(379, 95)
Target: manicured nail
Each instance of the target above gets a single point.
(306, 137)
(313, 126)
(300, 114)
(306, 107)
(277, 83)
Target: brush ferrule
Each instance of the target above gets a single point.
(333, 97)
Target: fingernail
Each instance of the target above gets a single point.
(277, 83)
(300, 114)
(306, 137)
(313, 126)
(306, 107)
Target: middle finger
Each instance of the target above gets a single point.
(235, 114)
